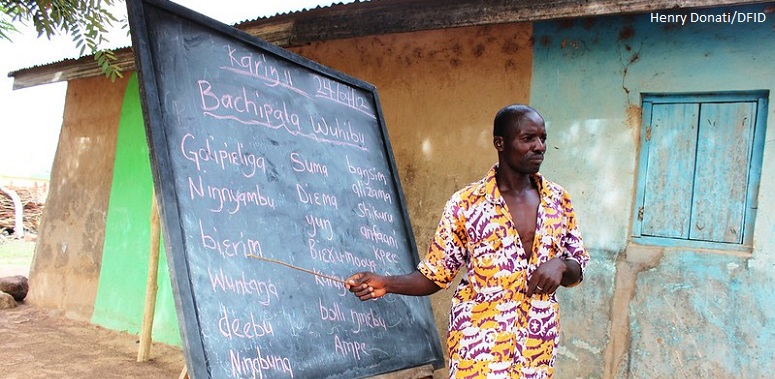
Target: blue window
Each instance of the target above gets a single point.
(699, 169)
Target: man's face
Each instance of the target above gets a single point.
(522, 147)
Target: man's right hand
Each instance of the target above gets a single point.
(367, 285)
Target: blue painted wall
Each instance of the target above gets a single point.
(650, 312)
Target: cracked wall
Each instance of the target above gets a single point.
(653, 312)
(66, 267)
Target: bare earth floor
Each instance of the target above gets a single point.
(40, 343)
(35, 343)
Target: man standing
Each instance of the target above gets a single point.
(515, 235)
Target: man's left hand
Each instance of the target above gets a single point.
(546, 279)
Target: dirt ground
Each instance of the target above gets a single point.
(40, 343)
(36, 343)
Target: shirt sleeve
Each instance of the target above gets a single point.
(572, 243)
(447, 251)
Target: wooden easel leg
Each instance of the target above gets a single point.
(144, 351)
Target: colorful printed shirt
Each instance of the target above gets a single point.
(495, 330)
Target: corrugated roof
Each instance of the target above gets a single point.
(362, 18)
(118, 42)
(322, 5)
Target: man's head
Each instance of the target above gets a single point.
(519, 136)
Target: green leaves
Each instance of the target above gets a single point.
(86, 21)
(106, 59)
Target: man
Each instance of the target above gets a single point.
(515, 235)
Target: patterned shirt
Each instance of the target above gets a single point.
(495, 329)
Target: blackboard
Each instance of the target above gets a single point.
(258, 152)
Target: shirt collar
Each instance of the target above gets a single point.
(489, 188)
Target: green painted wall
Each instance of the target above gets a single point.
(121, 293)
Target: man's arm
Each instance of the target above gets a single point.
(573, 273)
(368, 285)
(554, 273)
(567, 268)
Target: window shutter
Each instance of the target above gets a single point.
(700, 164)
(670, 170)
(724, 148)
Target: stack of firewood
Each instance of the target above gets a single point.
(31, 204)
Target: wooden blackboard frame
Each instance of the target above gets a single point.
(175, 244)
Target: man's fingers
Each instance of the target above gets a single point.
(362, 285)
(531, 286)
(366, 294)
(355, 280)
(542, 287)
(530, 290)
(363, 290)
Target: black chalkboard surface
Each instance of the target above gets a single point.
(260, 153)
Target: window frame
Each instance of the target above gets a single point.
(760, 97)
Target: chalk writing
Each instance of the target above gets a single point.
(331, 254)
(247, 163)
(363, 190)
(255, 366)
(368, 319)
(244, 102)
(339, 131)
(321, 199)
(375, 235)
(366, 210)
(222, 196)
(384, 256)
(320, 223)
(342, 94)
(248, 328)
(333, 313)
(265, 291)
(229, 248)
(257, 66)
(349, 349)
(300, 164)
(247, 108)
(366, 174)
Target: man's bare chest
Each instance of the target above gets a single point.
(524, 216)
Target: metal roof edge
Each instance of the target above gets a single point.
(375, 17)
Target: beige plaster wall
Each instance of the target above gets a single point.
(439, 92)
(66, 268)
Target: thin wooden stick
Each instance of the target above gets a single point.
(297, 268)
(144, 351)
